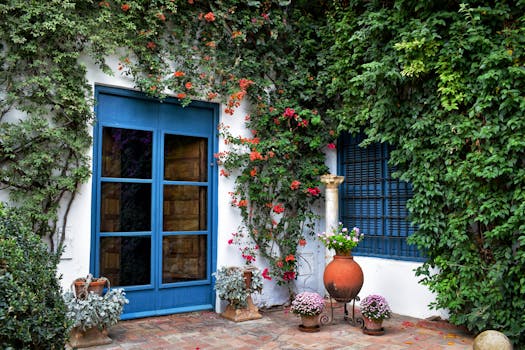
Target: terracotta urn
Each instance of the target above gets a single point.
(343, 278)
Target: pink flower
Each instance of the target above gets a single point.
(230, 241)
(289, 275)
(331, 145)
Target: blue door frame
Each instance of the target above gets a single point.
(126, 109)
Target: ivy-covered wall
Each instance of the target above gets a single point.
(443, 82)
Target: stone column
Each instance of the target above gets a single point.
(332, 183)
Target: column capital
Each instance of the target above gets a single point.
(331, 180)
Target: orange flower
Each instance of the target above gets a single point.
(209, 17)
(236, 34)
(179, 74)
(253, 172)
(242, 203)
(295, 185)
(212, 95)
(124, 7)
(188, 85)
(254, 155)
(161, 16)
(302, 242)
(290, 257)
(211, 44)
(181, 95)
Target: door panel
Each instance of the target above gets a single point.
(154, 189)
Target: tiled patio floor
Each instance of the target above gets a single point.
(276, 330)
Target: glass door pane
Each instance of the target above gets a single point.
(184, 208)
(183, 258)
(126, 261)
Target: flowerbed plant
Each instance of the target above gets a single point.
(307, 304)
(95, 310)
(230, 285)
(341, 239)
(375, 307)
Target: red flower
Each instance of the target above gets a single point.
(125, 7)
(295, 185)
(314, 191)
(265, 16)
(209, 17)
(161, 16)
(302, 242)
(290, 257)
(151, 45)
(289, 113)
(331, 145)
(278, 208)
(253, 172)
(279, 264)
(242, 203)
(289, 275)
(245, 83)
(230, 241)
(266, 274)
(179, 74)
(181, 95)
(188, 85)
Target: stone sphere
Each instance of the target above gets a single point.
(492, 340)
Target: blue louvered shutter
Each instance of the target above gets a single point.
(374, 202)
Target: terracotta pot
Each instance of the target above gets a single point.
(96, 286)
(373, 327)
(343, 278)
(90, 337)
(310, 321)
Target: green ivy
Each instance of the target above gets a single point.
(443, 83)
(267, 53)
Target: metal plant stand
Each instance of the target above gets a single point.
(327, 316)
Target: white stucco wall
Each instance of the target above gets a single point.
(394, 279)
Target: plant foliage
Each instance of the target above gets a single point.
(231, 284)
(95, 310)
(32, 312)
(443, 83)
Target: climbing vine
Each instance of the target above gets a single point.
(443, 83)
(265, 53)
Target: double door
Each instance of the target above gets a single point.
(154, 191)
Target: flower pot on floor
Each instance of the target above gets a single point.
(90, 337)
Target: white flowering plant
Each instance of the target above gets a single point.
(307, 304)
(375, 307)
(341, 239)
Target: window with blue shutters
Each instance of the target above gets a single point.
(375, 202)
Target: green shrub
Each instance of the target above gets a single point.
(32, 311)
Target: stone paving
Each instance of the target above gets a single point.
(278, 329)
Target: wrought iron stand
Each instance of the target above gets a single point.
(327, 316)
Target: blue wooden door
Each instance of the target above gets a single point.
(154, 195)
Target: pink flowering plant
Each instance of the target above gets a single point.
(307, 304)
(375, 307)
(341, 239)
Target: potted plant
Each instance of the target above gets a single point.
(309, 306)
(84, 285)
(92, 315)
(235, 285)
(343, 277)
(374, 309)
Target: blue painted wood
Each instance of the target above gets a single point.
(375, 202)
(129, 109)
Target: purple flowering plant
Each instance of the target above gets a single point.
(341, 239)
(375, 307)
(307, 304)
